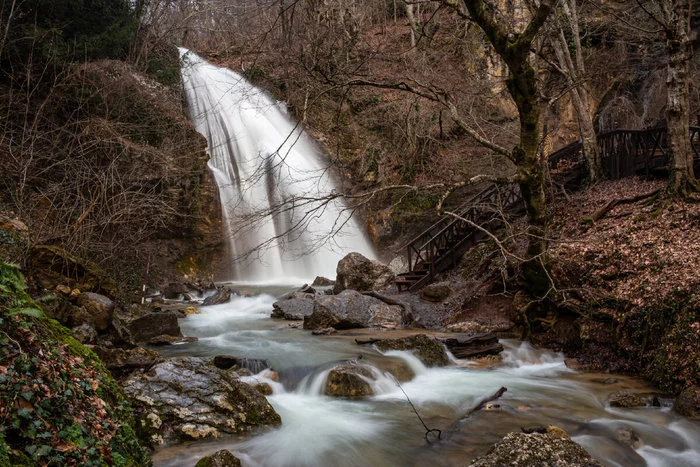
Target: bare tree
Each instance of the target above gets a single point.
(565, 39)
(673, 18)
(514, 48)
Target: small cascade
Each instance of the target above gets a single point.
(282, 221)
(383, 429)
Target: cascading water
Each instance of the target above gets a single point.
(281, 223)
(383, 430)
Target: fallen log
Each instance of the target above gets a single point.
(477, 345)
(367, 341)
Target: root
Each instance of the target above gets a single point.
(616, 202)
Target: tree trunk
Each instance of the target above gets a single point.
(515, 50)
(573, 68)
(412, 21)
(679, 52)
(522, 85)
(589, 140)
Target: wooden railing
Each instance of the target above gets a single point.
(439, 247)
(623, 153)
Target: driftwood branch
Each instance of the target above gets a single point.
(482, 403)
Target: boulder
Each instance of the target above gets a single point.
(263, 388)
(536, 449)
(429, 351)
(626, 399)
(226, 362)
(94, 309)
(351, 309)
(192, 399)
(150, 325)
(221, 458)
(399, 265)
(688, 403)
(222, 295)
(85, 334)
(356, 272)
(295, 306)
(174, 290)
(322, 282)
(436, 292)
(349, 380)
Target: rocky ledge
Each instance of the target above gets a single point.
(189, 398)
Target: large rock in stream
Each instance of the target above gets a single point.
(351, 309)
(429, 351)
(356, 272)
(138, 324)
(535, 450)
(221, 458)
(349, 380)
(295, 306)
(188, 398)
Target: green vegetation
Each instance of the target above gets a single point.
(675, 363)
(60, 31)
(59, 405)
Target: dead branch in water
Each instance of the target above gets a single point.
(483, 403)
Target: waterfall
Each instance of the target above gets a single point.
(274, 185)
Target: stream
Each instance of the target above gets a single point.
(383, 430)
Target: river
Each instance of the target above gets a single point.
(383, 430)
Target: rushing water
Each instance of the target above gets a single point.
(318, 430)
(276, 193)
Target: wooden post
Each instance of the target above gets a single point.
(144, 279)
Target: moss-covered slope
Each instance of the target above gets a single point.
(58, 404)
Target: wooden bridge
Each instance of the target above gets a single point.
(624, 153)
(440, 247)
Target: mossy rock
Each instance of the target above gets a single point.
(429, 351)
(349, 380)
(535, 450)
(221, 458)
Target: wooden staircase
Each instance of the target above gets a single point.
(441, 246)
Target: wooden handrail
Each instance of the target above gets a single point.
(622, 151)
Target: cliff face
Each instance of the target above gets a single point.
(113, 171)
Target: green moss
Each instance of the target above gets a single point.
(59, 403)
